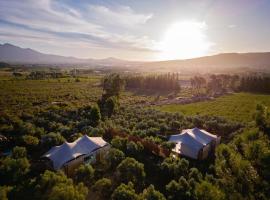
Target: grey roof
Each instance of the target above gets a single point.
(68, 151)
(190, 141)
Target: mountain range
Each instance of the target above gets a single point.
(13, 54)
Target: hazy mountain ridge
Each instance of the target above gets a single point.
(14, 54)
(226, 61)
(218, 63)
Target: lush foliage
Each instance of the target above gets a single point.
(255, 84)
(85, 174)
(162, 82)
(57, 186)
(39, 114)
(236, 107)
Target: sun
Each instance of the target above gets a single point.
(184, 40)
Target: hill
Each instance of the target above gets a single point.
(14, 54)
(220, 63)
(225, 62)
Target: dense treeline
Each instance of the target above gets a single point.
(162, 82)
(131, 169)
(220, 84)
(37, 75)
(215, 84)
(255, 84)
(4, 65)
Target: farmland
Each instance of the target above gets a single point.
(17, 95)
(236, 107)
(39, 114)
(31, 94)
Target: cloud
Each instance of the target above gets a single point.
(120, 16)
(232, 26)
(58, 23)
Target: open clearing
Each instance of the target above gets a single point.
(236, 107)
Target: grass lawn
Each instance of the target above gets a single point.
(237, 107)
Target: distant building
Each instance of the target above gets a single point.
(195, 143)
(69, 156)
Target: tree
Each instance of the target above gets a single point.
(113, 84)
(184, 191)
(151, 194)
(195, 174)
(30, 141)
(114, 157)
(57, 186)
(4, 190)
(111, 105)
(214, 86)
(17, 74)
(14, 168)
(119, 143)
(103, 187)
(85, 174)
(52, 139)
(125, 192)
(208, 191)
(174, 168)
(236, 174)
(262, 117)
(181, 167)
(197, 83)
(134, 149)
(255, 84)
(172, 189)
(95, 115)
(179, 190)
(168, 82)
(19, 152)
(131, 170)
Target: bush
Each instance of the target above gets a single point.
(207, 191)
(85, 174)
(114, 157)
(4, 190)
(131, 170)
(57, 186)
(151, 194)
(125, 192)
(52, 139)
(95, 116)
(14, 168)
(103, 187)
(30, 141)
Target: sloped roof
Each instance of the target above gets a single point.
(68, 151)
(200, 135)
(187, 139)
(190, 141)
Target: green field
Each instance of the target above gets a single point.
(236, 107)
(18, 95)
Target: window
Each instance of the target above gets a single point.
(89, 159)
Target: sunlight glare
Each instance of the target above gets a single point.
(184, 40)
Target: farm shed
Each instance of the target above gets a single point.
(69, 156)
(194, 143)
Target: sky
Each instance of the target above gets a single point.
(136, 29)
